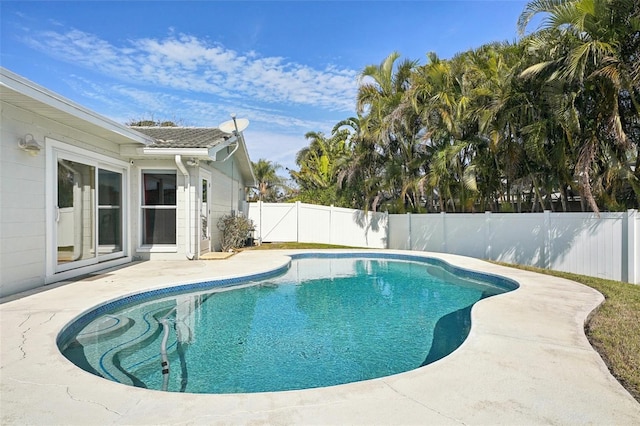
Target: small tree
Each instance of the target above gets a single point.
(236, 230)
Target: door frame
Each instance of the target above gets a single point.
(204, 212)
(55, 271)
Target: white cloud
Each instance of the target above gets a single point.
(272, 133)
(187, 63)
(199, 83)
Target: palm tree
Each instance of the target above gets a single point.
(390, 132)
(598, 66)
(440, 96)
(497, 126)
(319, 162)
(269, 183)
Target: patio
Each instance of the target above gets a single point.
(526, 361)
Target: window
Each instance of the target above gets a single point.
(159, 207)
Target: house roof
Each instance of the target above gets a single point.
(198, 142)
(188, 141)
(184, 137)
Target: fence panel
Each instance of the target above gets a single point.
(607, 246)
(298, 222)
(516, 238)
(583, 242)
(314, 224)
(427, 232)
(358, 229)
(465, 234)
(400, 237)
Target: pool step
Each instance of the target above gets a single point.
(111, 355)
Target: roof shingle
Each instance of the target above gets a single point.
(184, 137)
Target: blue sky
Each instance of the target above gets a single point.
(290, 67)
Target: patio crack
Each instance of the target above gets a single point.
(404, 395)
(279, 409)
(24, 332)
(68, 392)
(24, 337)
(92, 402)
(26, 319)
(50, 318)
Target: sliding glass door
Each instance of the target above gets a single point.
(109, 212)
(75, 214)
(88, 213)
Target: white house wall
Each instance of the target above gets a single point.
(23, 241)
(35, 247)
(22, 194)
(227, 195)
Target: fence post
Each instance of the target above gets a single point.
(331, 224)
(631, 249)
(410, 236)
(634, 251)
(260, 222)
(443, 243)
(546, 243)
(297, 221)
(487, 234)
(387, 230)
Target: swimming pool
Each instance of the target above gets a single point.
(325, 320)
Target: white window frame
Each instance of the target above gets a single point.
(123, 194)
(155, 248)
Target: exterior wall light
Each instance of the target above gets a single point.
(29, 144)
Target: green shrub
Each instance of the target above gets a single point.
(236, 230)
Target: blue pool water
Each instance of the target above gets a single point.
(324, 321)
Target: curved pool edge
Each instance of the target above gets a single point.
(81, 320)
(524, 359)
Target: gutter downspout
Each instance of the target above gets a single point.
(187, 206)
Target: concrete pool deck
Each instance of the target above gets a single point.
(526, 361)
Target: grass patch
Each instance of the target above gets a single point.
(614, 328)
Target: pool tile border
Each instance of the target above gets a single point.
(74, 326)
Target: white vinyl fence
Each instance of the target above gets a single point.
(607, 246)
(309, 223)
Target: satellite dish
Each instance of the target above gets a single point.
(235, 125)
